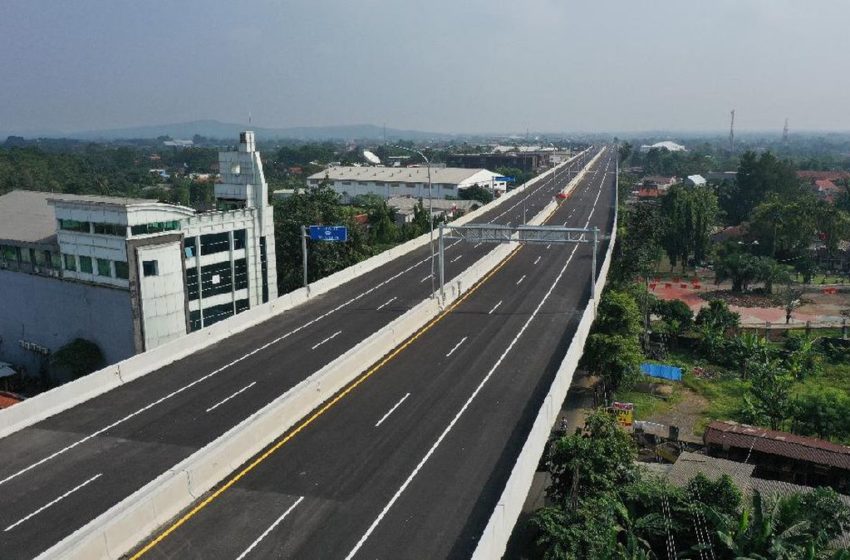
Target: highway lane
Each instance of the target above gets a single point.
(88, 458)
(410, 463)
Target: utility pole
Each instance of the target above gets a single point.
(732, 133)
(304, 255)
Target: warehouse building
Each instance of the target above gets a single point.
(412, 182)
(131, 274)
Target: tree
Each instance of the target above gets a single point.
(588, 464)
(618, 313)
(768, 397)
(637, 246)
(757, 535)
(757, 177)
(476, 192)
(748, 351)
(624, 151)
(821, 412)
(614, 358)
(805, 358)
(688, 214)
(316, 205)
(79, 357)
(718, 315)
(739, 267)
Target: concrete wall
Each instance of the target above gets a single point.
(163, 299)
(52, 312)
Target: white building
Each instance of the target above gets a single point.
(131, 274)
(667, 145)
(389, 182)
(695, 181)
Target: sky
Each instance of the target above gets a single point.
(458, 66)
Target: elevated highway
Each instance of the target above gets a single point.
(410, 461)
(60, 473)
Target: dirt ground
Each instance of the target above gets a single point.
(685, 413)
(818, 307)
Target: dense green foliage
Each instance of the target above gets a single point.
(612, 350)
(604, 506)
(687, 217)
(78, 358)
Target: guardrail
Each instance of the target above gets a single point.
(99, 382)
(495, 537)
(120, 528)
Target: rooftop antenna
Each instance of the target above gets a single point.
(732, 133)
(785, 132)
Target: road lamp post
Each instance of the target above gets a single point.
(430, 211)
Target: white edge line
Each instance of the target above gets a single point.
(44, 507)
(385, 416)
(270, 529)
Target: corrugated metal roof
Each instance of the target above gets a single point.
(784, 444)
(451, 175)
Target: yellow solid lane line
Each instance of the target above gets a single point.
(324, 408)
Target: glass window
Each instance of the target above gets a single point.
(26, 256)
(189, 248)
(70, 263)
(216, 279)
(150, 268)
(85, 264)
(217, 313)
(55, 260)
(8, 253)
(122, 270)
(39, 257)
(240, 270)
(155, 227)
(239, 239)
(192, 283)
(74, 225)
(194, 320)
(242, 305)
(215, 243)
(104, 268)
(110, 229)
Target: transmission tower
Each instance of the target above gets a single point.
(732, 133)
(785, 133)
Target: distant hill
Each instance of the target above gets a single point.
(216, 129)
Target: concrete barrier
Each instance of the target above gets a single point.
(119, 529)
(71, 394)
(498, 530)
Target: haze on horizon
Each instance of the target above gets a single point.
(444, 65)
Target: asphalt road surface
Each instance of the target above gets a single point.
(59, 474)
(410, 462)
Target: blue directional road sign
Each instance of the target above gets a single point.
(328, 233)
(504, 178)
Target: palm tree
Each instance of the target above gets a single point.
(758, 535)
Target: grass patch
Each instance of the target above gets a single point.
(646, 406)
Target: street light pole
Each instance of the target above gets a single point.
(430, 211)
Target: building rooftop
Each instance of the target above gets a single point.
(27, 216)
(688, 465)
(671, 146)
(406, 204)
(451, 175)
(783, 444)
